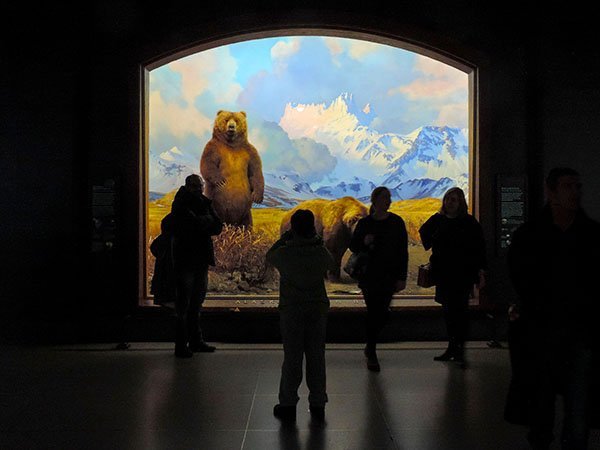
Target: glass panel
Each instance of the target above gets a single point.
(331, 118)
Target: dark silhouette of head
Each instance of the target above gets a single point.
(563, 188)
(556, 173)
(454, 198)
(303, 223)
(378, 193)
(194, 183)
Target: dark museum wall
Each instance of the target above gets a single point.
(70, 120)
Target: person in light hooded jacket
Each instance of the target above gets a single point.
(302, 261)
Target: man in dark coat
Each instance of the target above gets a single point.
(194, 221)
(553, 262)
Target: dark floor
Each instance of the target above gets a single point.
(95, 397)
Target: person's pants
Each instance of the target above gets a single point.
(566, 369)
(303, 330)
(192, 284)
(378, 312)
(457, 322)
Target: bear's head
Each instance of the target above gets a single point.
(353, 211)
(231, 127)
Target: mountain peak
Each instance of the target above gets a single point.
(363, 113)
(340, 114)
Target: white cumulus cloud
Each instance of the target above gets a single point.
(334, 45)
(175, 119)
(434, 80)
(212, 70)
(359, 49)
(453, 115)
(282, 51)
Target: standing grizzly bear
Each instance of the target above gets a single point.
(232, 169)
(335, 221)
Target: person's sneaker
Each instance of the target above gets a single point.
(203, 347)
(284, 412)
(183, 352)
(317, 413)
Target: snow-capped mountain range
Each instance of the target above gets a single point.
(167, 170)
(424, 163)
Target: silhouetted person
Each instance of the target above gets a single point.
(163, 286)
(553, 263)
(302, 261)
(457, 264)
(194, 221)
(383, 236)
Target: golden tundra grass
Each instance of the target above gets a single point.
(242, 251)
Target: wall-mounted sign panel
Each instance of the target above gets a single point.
(511, 199)
(103, 216)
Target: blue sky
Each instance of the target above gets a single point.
(401, 90)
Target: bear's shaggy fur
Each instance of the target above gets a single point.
(335, 221)
(232, 169)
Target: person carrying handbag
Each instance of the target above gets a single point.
(383, 236)
(457, 264)
(194, 223)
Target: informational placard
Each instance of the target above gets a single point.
(512, 207)
(103, 216)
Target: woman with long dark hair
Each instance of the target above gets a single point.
(457, 264)
(382, 234)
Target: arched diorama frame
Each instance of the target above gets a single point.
(268, 301)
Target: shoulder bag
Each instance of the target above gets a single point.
(425, 276)
(356, 266)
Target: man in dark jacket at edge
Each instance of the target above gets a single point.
(193, 222)
(553, 262)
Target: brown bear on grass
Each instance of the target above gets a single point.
(335, 221)
(232, 169)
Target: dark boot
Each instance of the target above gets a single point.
(459, 356)
(317, 413)
(181, 340)
(372, 360)
(197, 344)
(202, 347)
(283, 412)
